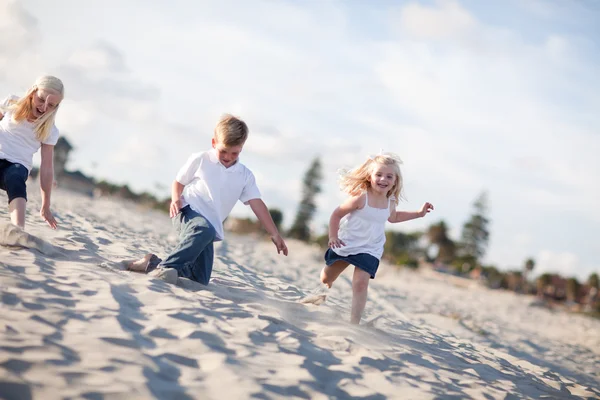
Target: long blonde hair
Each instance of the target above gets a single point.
(22, 108)
(358, 180)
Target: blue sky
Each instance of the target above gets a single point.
(497, 96)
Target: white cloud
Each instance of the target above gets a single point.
(18, 28)
(447, 20)
(100, 58)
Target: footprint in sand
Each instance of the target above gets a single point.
(315, 299)
(372, 321)
(11, 235)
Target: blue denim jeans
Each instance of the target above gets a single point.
(193, 257)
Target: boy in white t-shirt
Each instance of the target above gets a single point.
(203, 194)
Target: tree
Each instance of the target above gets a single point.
(542, 282)
(527, 268)
(437, 234)
(311, 187)
(61, 155)
(593, 281)
(475, 233)
(573, 286)
(277, 216)
(403, 248)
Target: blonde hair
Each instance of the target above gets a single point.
(231, 131)
(22, 108)
(358, 180)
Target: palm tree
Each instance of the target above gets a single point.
(529, 265)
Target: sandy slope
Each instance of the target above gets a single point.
(74, 325)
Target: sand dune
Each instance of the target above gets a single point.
(76, 325)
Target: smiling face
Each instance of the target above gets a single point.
(44, 101)
(227, 155)
(383, 178)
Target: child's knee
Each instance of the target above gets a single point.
(325, 278)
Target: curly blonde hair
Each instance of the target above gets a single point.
(22, 108)
(356, 181)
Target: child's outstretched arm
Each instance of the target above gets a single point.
(46, 180)
(353, 203)
(259, 208)
(401, 216)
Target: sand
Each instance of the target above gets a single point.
(76, 325)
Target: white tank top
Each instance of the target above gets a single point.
(363, 231)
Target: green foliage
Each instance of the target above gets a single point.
(124, 192)
(593, 280)
(403, 248)
(529, 264)
(311, 187)
(406, 260)
(542, 282)
(492, 276)
(322, 241)
(245, 226)
(277, 216)
(399, 242)
(437, 234)
(475, 233)
(573, 287)
(464, 264)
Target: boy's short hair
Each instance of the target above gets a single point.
(231, 131)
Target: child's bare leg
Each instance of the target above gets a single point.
(331, 272)
(16, 209)
(360, 287)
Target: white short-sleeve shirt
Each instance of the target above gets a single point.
(212, 189)
(18, 143)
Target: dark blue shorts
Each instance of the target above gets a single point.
(12, 179)
(366, 262)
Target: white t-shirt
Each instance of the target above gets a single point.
(18, 143)
(212, 189)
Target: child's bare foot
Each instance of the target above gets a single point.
(146, 264)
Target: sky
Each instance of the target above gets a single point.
(501, 97)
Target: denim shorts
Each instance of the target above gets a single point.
(366, 262)
(12, 179)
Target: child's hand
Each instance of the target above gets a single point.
(174, 208)
(46, 214)
(280, 244)
(335, 243)
(427, 207)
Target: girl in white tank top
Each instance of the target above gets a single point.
(357, 226)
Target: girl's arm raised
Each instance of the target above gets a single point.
(353, 203)
(401, 216)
